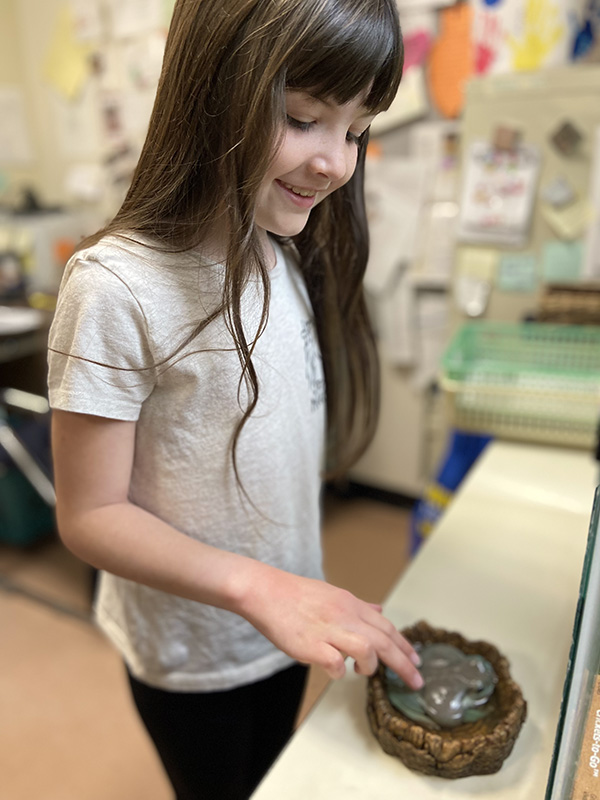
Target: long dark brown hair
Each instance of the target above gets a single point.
(218, 116)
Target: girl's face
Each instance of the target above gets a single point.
(317, 155)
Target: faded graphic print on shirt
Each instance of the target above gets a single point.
(313, 365)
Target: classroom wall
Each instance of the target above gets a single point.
(71, 142)
(552, 247)
(35, 26)
(13, 75)
(86, 133)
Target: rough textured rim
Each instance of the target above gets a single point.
(477, 748)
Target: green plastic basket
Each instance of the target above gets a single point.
(529, 381)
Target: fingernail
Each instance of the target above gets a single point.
(416, 659)
(418, 682)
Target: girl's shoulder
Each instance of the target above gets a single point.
(133, 253)
(140, 265)
(124, 283)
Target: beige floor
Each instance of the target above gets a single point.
(67, 729)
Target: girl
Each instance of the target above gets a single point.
(210, 354)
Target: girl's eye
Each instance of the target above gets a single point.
(352, 138)
(301, 126)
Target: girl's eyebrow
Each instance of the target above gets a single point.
(324, 100)
(311, 98)
(364, 112)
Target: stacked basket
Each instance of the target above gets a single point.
(529, 381)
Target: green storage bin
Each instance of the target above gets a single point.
(525, 381)
(24, 517)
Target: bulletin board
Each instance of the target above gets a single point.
(80, 99)
(540, 106)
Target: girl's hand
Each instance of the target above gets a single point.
(317, 623)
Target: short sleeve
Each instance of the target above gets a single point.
(100, 356)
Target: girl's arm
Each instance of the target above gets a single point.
(310, 620)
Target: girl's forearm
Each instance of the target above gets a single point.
(308, 619)
(127, 541)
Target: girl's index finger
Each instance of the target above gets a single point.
(405, 667)
(387, 627)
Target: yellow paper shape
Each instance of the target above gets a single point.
(570, 222)
(451, 60)
(477, 262)
(543, 31)
(67, 61)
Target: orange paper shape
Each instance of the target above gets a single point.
(451, 61)
(63, 250)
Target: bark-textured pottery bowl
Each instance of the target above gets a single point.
(472, 748)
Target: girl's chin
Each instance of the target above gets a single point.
(285, 228)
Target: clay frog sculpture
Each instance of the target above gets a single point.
(457, 688)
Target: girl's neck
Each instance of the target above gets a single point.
(214, 248)
(268, 249)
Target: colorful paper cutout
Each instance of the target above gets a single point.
(451, 60)
(67, 61)
(487, 42)
(585, 39)
(543, 30)
(417, 45)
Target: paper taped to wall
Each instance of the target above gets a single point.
(15, 142)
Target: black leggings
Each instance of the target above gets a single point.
(218, 745)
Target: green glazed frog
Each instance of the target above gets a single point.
(456, 690)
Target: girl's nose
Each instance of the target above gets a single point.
(331, 161)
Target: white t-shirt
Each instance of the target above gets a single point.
(123, 309)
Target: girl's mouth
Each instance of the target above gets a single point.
(304, 198)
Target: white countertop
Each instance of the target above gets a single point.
(503, 565)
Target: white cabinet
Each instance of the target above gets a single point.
(410, 437)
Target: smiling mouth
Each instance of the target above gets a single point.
(298, 190)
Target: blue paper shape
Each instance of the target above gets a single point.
(517, 272)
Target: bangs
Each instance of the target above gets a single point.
(351, 48)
